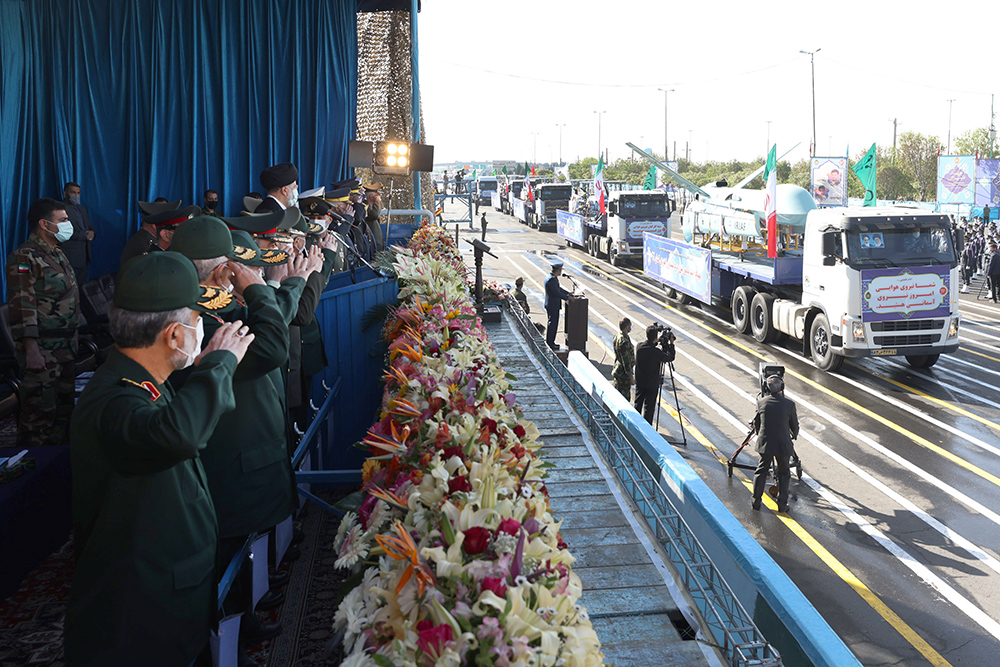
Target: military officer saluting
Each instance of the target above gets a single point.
(158, 223)
(43, 305)
(246, 461)
(144, 527)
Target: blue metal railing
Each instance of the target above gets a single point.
(728, 623)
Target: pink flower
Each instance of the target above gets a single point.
(432, 638)
(477, 539)
(494, 584)
(490, 630)
(509, 526)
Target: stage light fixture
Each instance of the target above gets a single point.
(389, 158)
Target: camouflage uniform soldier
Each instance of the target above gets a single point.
(44, 315)
(622, 373)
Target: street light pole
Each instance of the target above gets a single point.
(560, 126)
(950, 102)
(666, 153)
(812, 64)
(767, 149)
(600, 150)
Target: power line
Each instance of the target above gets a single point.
(592, 84)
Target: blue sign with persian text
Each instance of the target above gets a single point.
(684, 267)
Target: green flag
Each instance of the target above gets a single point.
(650, 182)
(505, 171)
(473, 174)
(864, 169)
(526, 169)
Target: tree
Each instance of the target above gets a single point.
(892, 183)
(581, 170)
(976, 142)
(917, 157)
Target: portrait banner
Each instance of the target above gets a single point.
(987, 180)
(956, 179)
(828, 187)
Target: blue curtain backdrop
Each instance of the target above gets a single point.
(137, 99)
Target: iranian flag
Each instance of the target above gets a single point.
(528, 194)
(599, 185)
(771, 202)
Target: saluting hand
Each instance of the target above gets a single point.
(243, 276)
(232, 337)
(300, 267)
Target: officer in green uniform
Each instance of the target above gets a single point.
(44, 310)
(249, 472)
(144, 527)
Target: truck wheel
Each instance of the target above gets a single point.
(676, 298)
(822, 351)
(761, 324)
(613, 257)
(922, 360)
(742, 296)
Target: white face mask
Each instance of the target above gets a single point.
(199, 337)
(293, 198)
(65, 230)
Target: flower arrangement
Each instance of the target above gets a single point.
(458, 557)
(493, 291)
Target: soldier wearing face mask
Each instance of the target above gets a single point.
(43, 302)
(144, 529)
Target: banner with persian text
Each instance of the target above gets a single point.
(987, 182)
(956, 179)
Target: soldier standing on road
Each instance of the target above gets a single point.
(44, 311)
(623, 372)
(776, 424)
(993, 271)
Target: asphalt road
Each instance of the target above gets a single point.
(894, 529)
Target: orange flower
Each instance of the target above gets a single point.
(403, 408)
(369, 468)
(389, 497)
(394, 444)
(403, 548)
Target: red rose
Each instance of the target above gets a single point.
(433, 637)
(519, 431)
(509, 526)
(449, 452)
(489, 425)
(476, 540)
(494, 584)
(456, 484)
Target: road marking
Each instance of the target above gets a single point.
(831, 561)
(917, 439)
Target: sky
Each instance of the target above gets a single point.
(502, 80)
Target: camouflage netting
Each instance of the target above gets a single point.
(384, 97)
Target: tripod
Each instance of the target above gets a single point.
(731, 462)
(677, 403)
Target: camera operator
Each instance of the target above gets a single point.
(650, 355)
(776, 425)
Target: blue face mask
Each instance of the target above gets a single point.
(65, 230)
(293, 199)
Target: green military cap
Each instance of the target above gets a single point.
(163, 281)
(247, 251)
(203, 237)
(171, 216)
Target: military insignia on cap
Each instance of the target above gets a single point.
(245, 254)
(213, 298)
(154, 393)
(278, 257)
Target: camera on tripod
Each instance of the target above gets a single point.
(664, 334)
(767, 370)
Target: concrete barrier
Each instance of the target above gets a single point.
(777, 606)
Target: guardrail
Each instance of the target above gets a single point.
(799, 632)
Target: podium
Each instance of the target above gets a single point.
(576, 324)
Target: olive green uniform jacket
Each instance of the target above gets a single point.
(144, 530)
(247, 456)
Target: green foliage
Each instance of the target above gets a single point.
(581, 170)
(976, 142)
(917, 157)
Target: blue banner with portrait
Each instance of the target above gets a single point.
(684, 267)
(987, 182)
(891, 294)
(570, 226)
(956, 179)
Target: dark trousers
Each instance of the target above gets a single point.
(553, 328)
(784, 478)
(645, 401)
(995, 286)
(81, 275)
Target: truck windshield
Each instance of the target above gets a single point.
(487, 185)
(915, 245)
(516, 188)
(642, 207)
(557, 193)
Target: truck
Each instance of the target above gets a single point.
(549, 198)
(513, 193)
(846, 282)
(618, 235)
(486, 186)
